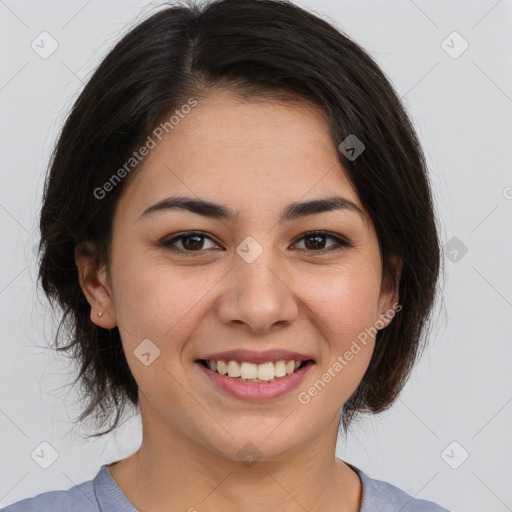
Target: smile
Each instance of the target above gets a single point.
(251, 372)
(255, 382)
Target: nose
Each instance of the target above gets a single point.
(258, 296)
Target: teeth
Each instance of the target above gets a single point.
(222, 367)
(280, 368)
(233, 369)
(250, 371)
(266, 371)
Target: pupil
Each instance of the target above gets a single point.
(192, 246)
(316, 238)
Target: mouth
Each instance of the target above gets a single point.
(269, 371)
(254, 382)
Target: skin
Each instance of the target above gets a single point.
(255, 157)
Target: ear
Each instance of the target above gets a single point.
(94, 283)
(389, 294)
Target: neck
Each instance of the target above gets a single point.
(172, 471)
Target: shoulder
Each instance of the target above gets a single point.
(380, 496)
(78, 498)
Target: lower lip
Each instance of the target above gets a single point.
(254, 391)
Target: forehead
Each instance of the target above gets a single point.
(242, 152)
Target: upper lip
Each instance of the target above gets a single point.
(257, 357)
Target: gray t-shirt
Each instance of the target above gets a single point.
(103, 495)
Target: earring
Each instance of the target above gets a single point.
(100, 313)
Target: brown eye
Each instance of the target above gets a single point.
(316, 241)
(190, 242)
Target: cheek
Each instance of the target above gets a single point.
(157, 301)
(345, 300)
(344, 309)
(153, 303)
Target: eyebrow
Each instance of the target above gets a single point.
(218, 211)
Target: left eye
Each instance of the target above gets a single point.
(317, 236)
(194, 242)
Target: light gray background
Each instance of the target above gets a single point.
(462, 107)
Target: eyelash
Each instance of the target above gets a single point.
(340, 242)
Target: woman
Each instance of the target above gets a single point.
(239, 228)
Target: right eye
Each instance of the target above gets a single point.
(190, 241)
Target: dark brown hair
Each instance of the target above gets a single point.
(257, 48)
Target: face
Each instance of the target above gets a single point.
(257, 281)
